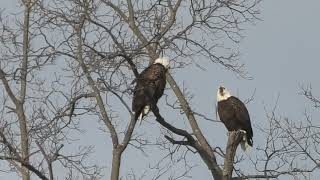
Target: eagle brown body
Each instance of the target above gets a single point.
(149, 88)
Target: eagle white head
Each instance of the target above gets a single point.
(164, 61)
(223, 94)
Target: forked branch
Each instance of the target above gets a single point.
(234, 139)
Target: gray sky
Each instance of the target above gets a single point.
(280, 53)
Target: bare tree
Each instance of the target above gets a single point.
(97, 48)
(36, 109)
(290, 148)
(18, 98)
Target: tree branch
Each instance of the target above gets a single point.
(7, 87)
(235, 137)
(91, 82)
(207, 156)
(185, 143)
(114, 39)
(48, 160)
(16, 157)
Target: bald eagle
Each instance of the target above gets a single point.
(150, 87)
(234, 114)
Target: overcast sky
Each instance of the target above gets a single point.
(281, 53)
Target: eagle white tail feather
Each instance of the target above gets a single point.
(146, 110)
(244, 143)
(245, 146)
(140, 118)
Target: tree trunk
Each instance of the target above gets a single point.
(20, 110)
(24, 141)
(234, 139)
(116, 160)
